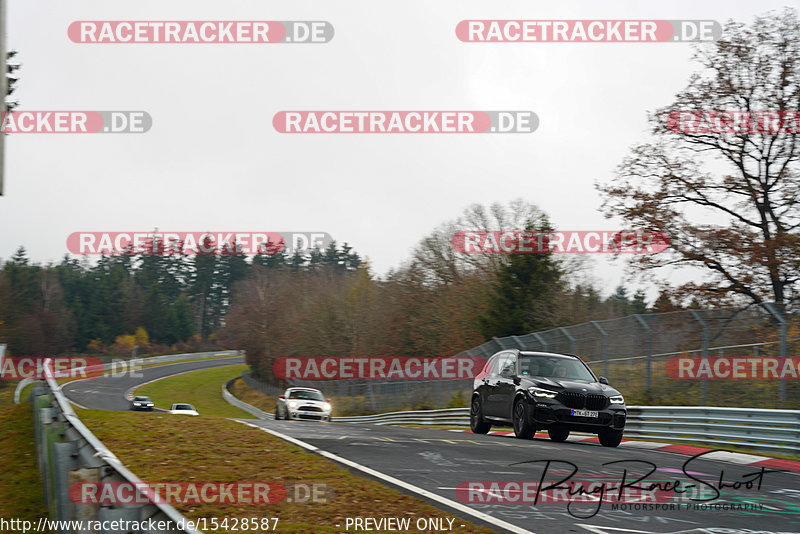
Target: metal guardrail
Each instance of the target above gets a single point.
(188, 356)
(68, 452)
(228, 396)
(746, 428)
(136, 363)
(167, 358)
(449, 416)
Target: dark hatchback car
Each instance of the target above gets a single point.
(141, 403)
(544, 391)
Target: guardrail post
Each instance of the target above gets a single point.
(64, 460)
(703, 382)
(649, 351)
(778, 313)
(604, 345)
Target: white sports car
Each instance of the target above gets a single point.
(303, 403)
(183, 409)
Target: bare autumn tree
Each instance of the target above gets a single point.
(730, 202)
(438, 262)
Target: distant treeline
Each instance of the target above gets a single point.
(158, 302)
(327, 302)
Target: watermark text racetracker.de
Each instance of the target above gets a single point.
(191, 243)
(200, 31)
(735, 122)
(75, 122)
(77, 367)
(405, 122)
(45, 525)
(386, 368)
(559, 242)
(199, 492)
(588, 31)
(733, 368)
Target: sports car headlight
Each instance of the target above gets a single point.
(617, 399)
(542, 393)
(137, 403)
(326, 407)
(292, 404)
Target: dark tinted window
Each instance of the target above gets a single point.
(304, 394)
(554, 367)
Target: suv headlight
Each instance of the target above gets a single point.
(292, 404)
(326, 407)
(617, 399)
(540, 393)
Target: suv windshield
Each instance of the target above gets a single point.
(141, 399)
(555, 367)
(306, 394)
(183, 407)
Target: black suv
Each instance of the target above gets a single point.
(539, 390)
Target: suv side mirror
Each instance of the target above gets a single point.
(506, 373)
(328, 401)
(282, 397)
(604, 380)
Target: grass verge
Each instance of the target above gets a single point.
(245, 393)
(199, 388)
(164, 448)
(20, 484)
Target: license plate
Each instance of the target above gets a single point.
(584, 413)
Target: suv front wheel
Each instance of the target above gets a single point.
(610, 438)
(523, 429)
(558, 433)
(476, 422)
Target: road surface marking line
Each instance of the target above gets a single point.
(397, 482)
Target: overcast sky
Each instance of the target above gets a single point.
(212, 160)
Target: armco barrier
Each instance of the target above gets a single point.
(133, 363)
(775, 431)
(243, 405)
(449, 417)
(137, 363)
(68, 452)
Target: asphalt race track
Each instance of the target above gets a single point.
(108, 392)
(439, 460)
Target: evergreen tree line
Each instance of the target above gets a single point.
(158, 302)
